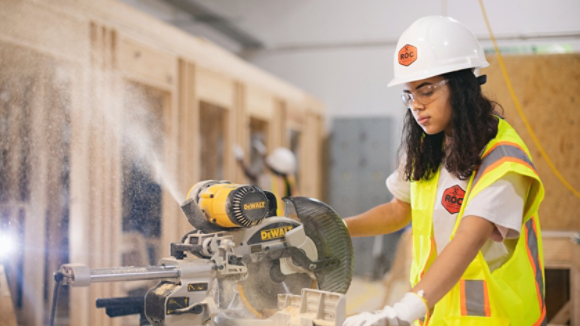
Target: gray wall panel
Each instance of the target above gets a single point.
(361, 158)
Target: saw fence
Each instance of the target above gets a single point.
(72, 73)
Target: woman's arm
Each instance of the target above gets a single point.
(383, 219)
(447, 269)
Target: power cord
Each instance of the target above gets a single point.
(57, 278)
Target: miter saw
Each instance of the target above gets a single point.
(241, 261)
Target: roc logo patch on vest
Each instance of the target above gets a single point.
(407, 55)
(452, 199)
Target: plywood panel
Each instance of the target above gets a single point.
(147, 65)
(214, 88)
(547, 87)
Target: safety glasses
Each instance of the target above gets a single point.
(424, 94)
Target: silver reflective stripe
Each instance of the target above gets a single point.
(533, 247)
(474, 298)
(497, 154)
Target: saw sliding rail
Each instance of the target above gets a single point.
(80, 275)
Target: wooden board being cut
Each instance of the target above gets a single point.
(548, 88)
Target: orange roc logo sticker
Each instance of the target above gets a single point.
(452, 199)
(407, 55)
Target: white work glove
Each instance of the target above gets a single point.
(402, 313)
(238, 152)
(259, 146)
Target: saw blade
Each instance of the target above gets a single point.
(260, 291)
(332, 240)
(328, 232)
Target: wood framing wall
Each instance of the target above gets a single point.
(68, 68)
(547, 87)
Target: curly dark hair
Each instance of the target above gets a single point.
(474, 124)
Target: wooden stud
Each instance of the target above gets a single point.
(79, 220)
(7, 314)
(35, 226)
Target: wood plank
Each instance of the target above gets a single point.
(235, 132)
(146, 64)
(35, 223)
(80, 196)
(563, 316)
(96, 168)
(7, 314)
(214, 88)
(14, 83)
(108, 103)
(188, 120)
(58, 107)
(36, 26)
(277, 133)
(144, 28)
(562, 253)
(115, 228)
(259, 103)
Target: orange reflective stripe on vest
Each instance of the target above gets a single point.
(532, 240)
(506, 152)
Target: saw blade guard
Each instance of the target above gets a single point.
(328, 232)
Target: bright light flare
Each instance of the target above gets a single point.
(7, 246)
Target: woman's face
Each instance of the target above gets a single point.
(431, 106)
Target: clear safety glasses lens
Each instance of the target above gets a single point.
(424, 95)
(407, 99)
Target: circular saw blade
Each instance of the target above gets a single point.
(328, 232)
(265, 281)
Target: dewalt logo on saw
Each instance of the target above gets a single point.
(275, 233)
(256, 205)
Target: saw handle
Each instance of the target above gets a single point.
(116, 307)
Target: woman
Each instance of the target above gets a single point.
(467, 184)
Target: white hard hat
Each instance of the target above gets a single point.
(433, 46)
(282, 160)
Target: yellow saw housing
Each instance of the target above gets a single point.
(231, 205)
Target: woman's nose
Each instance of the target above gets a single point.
(416, 106)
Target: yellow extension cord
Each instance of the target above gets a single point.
(519, 108)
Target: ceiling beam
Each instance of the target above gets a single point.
(218, 22)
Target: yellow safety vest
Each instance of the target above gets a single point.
(280, 191)
(510, 295)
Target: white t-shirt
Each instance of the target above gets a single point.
(502, 203)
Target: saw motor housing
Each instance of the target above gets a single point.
(232, 205)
